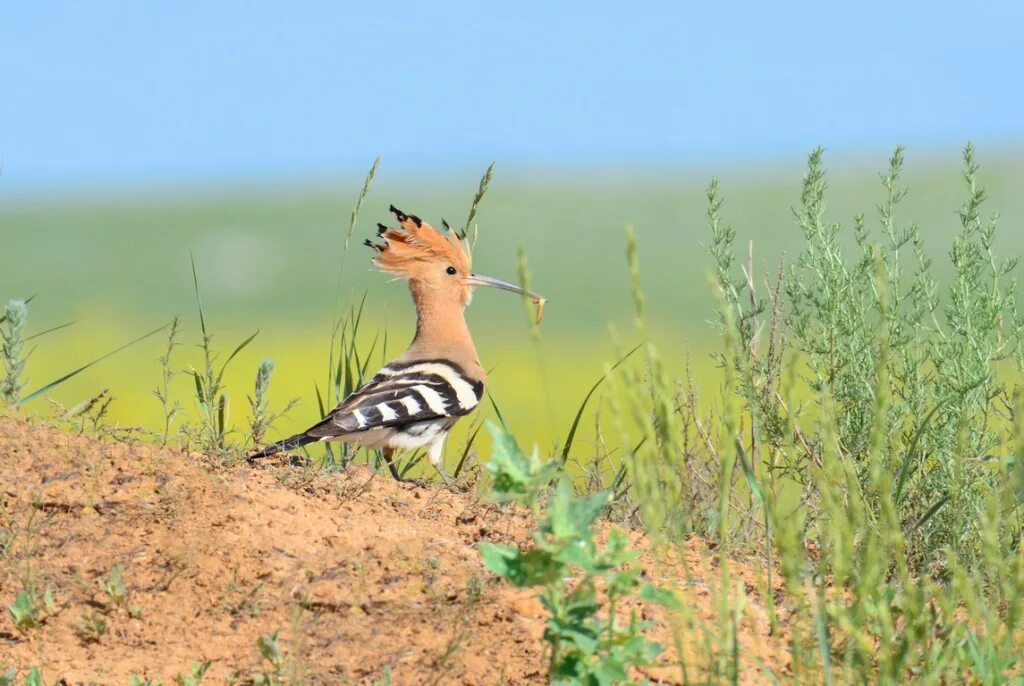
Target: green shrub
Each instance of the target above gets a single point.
(582, 584)
(863, 442)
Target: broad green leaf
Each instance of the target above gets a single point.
(496, 557)
(660, 596)
(34, 677)
(532, 568)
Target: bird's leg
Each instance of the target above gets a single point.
(388, 452)
(448, 480)
(434, 454)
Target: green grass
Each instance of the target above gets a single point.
(268, 259)
(850, 417)
(864, 444)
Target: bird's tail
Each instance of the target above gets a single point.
(295, 441)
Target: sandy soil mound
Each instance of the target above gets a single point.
(362, 577)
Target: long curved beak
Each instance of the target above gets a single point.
(478, 280)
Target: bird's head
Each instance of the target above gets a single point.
(435, 263)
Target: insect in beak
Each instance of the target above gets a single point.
(478, 280)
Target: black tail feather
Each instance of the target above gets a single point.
(296, 441)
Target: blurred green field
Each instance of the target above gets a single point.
(268, 259)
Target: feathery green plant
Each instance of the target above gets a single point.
(13, 335)
(471, 226)
(582, 584)
(13, 338)
(867, 416)
(212, 400)
(115, 587)
(865, 444)
(259, 403)
(171, 409)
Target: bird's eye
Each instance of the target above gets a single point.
(451, 271)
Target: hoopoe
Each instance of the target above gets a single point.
(414, 401)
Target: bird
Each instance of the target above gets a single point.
(414, 401)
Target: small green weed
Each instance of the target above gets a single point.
(286, 666)
(237, 601)
(115, 587)
(269, 647)
(582, 584)
(171, 409)
(194, 676)
(91, 626)
(259, 403)
(89, 412)
(24, 612)
(212, 400)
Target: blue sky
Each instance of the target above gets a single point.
(129, 92)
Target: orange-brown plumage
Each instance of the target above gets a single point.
(437, 267)
(408, 251)
(414, 400)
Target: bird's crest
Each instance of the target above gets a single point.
(406, 249)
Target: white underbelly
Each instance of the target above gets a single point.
(408, 437)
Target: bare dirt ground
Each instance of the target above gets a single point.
(364, 579)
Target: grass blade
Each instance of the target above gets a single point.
(199, 387)
(465, 452)
(930, 513)
(583, 406)
(338, 368)
(416, 458)
(748, 471)
(822, 631)
(351, 230)
(319, 400)
(908, 459)
(199, 299)
(222, 414)
(366, 362)
(498, 412)
(43, 333)
(358, 317)
(76, 372)
(237, 350)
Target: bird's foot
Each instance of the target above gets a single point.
(448, 480)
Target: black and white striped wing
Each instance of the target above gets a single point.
(402, 394)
